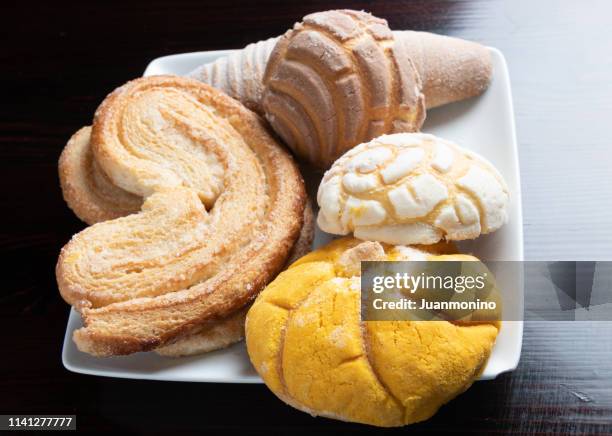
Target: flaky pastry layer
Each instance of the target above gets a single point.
(223, 205)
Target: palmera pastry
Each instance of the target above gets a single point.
(223, 207)
(229, 330)
(342, 77)
(86, 188)
(412, 188)
(306, 340)
(93, 197)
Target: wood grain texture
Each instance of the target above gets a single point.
(59, 60)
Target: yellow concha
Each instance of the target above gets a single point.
(306, 340)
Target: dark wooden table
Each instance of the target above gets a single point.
(59, 59)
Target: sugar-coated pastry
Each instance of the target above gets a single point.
(412, 188)
(450, 69)
(223, 205)
(87, 190)
(221, 333)
(240, 74)
(342, 77)
(337, 79)
(93, 198)
(306, 340)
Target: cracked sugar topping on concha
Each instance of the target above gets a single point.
(412, 188)
(305, 337)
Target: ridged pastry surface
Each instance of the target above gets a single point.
(223, 205)
(449, 69)
(412, 188)
(306, 340)
(338, 79)
(240, 74)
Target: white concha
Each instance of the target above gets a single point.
(412, 188)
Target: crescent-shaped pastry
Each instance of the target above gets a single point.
(450, 69)
(239, 74)
(223, 206)
(342, 77)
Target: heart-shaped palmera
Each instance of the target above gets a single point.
(223, 206)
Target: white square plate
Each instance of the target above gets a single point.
(484, 124)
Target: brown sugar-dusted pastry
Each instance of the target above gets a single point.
(451, 69)
(340, 78)
(337, 78)
(223, 207)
